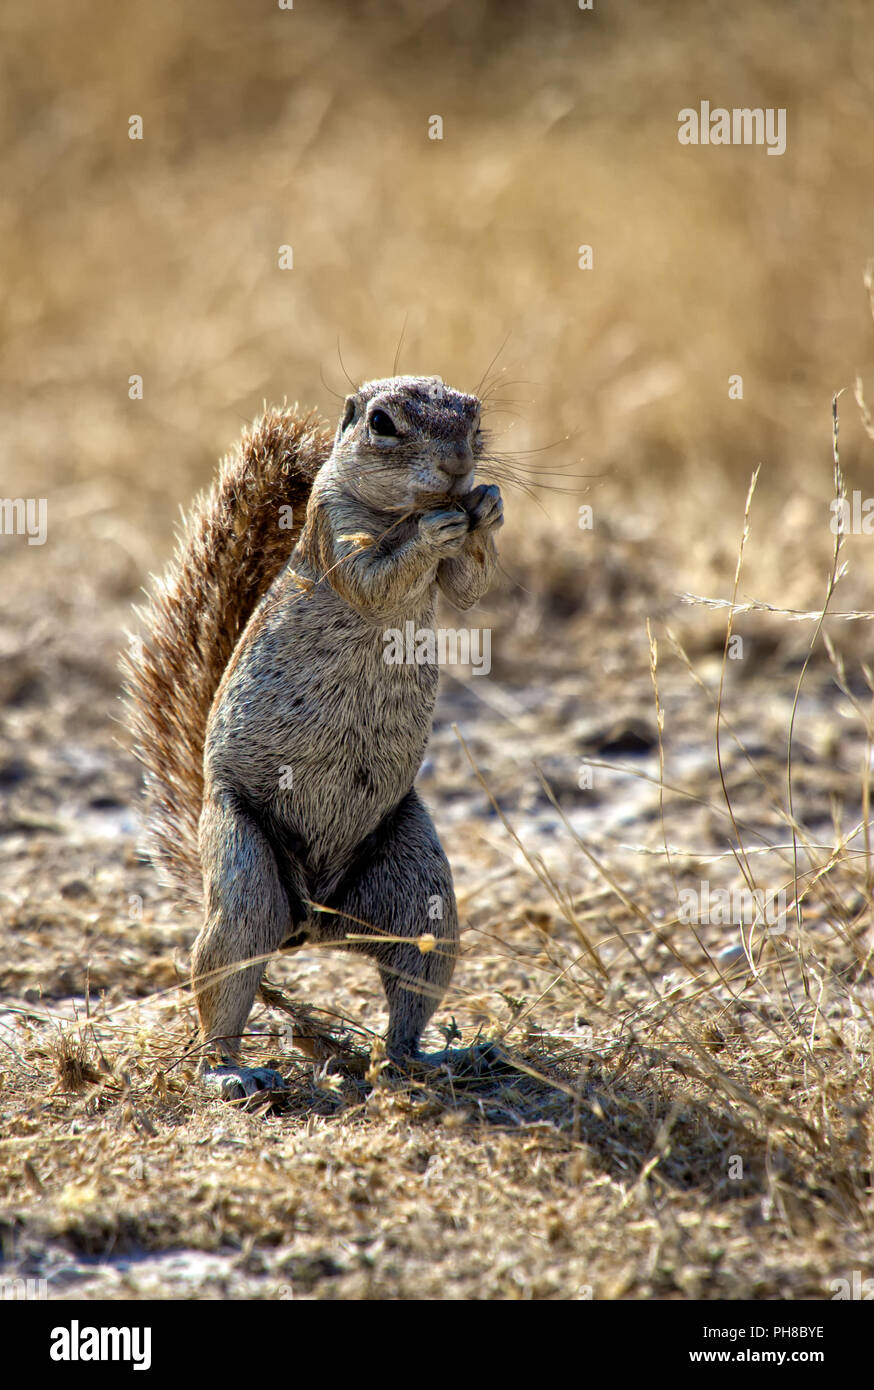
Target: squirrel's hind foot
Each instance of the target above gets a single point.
(477, 1060)
(256, 1086)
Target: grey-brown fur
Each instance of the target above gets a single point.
(307, 697)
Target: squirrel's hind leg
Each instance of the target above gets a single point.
(403, 888)
(247, 916)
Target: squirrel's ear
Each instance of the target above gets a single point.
(349, 413)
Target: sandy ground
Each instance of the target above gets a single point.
(596, 1160)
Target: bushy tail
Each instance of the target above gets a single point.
(234, 541)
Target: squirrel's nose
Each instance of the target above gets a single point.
(458, 462)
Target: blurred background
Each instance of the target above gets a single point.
(309, 127)
(159, 258)
(264, 128)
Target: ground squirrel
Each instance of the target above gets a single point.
(280, 748)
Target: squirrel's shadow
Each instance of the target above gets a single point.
(621, 1128)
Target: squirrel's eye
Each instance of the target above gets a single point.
(383, 424)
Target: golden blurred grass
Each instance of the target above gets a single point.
(265, 127)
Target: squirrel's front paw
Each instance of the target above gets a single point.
(484, 506)
(444, 530)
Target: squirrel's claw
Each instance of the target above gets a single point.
(484, 506)
(476, 1060)
(445, 530)
(250, 1084)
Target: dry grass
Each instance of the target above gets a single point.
(669, 1110)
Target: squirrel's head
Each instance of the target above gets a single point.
(408, 443)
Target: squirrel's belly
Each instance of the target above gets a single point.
(331, 748)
